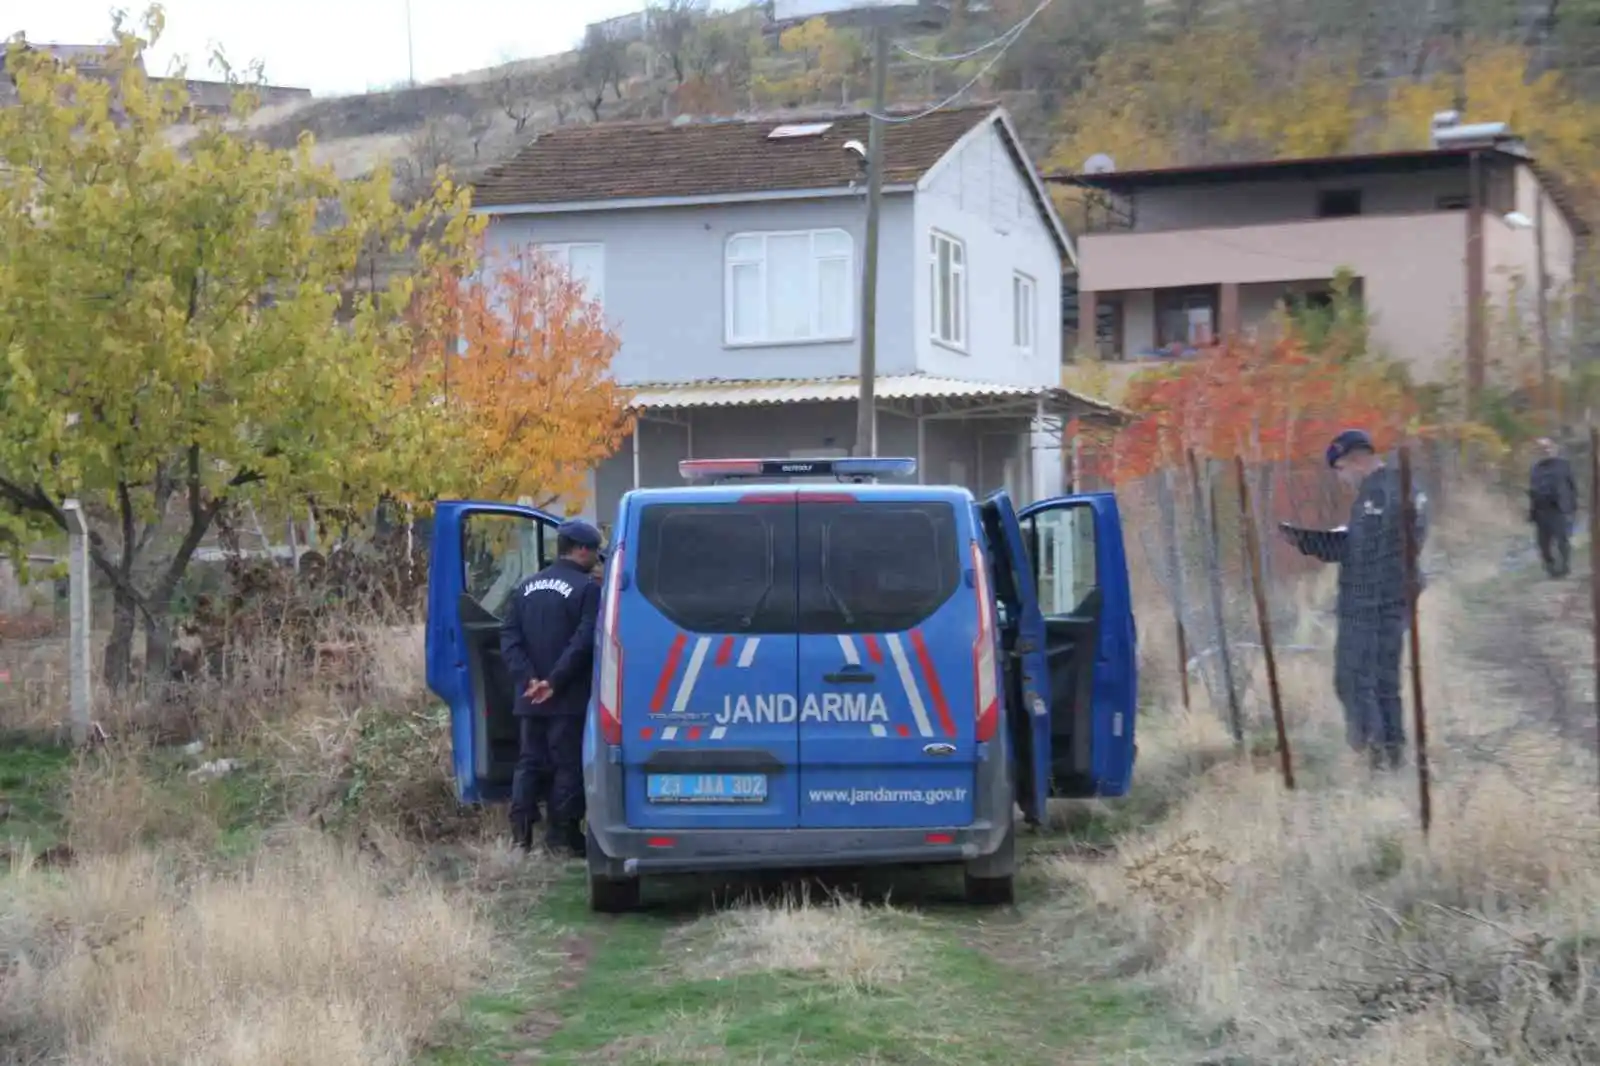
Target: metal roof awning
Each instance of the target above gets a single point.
(904, 393)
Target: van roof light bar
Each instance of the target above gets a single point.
(854, 469)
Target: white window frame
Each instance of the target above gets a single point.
(560, 254)
(764, 338)
(958, 283)
(1024, 311)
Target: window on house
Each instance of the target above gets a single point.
(1338, 203)
(584, 263)
(1023, 312)
(785, 288)
(947, 271)
(1186, 317)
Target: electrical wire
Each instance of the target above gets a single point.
(994, 42)
(1007, 39)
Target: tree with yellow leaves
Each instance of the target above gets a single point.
(186, 328)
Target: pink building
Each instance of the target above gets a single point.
(1444, 244)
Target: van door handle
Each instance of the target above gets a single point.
(850, 676)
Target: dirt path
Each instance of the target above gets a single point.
(1533, 634)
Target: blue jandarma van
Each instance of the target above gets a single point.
(800, 665)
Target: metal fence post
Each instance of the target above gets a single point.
(80, 616)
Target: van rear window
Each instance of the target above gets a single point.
(719, 568)
(859, 567)
(878, 567)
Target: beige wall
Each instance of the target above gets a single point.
(1511, 256)
(1413, 271)
(1254, 203)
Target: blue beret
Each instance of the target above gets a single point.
(580, 533)
(1347, 442)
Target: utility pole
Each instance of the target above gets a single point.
(867, 413)
(411, 55)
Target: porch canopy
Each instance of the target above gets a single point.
(919, 397)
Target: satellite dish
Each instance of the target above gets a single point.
(1099, 163)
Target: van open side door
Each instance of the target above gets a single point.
(1080, 568)
(1027, 675)
(482, 552)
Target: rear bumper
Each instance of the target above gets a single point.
(627, 852)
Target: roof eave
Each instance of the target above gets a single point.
(640, 203)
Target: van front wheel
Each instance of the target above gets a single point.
(991, 880)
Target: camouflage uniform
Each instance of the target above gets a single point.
(1373, 612)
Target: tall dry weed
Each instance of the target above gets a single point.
(312, 955)
(1320, 925)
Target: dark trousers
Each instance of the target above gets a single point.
(1555, 541)
(549, 772)
(1367, 680)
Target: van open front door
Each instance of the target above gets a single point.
(1027, 673)
(482, 552)
(1080, 569)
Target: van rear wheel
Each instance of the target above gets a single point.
(991, 880)
(609, 895)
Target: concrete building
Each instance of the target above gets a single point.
(1441, 241)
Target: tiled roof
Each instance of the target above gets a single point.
(646, 160)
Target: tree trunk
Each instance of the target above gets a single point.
(119, 646)
(157, 646)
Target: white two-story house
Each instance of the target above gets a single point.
(727, 255)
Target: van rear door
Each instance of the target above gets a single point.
(706, 618)
(1028, 670)
(1081, 570)
(481, 553)
(888, 659)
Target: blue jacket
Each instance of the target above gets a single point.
(548, 634)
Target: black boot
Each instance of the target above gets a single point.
(522, 834)
(566, 839)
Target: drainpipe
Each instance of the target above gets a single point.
(1475, 283)
(1541, 278)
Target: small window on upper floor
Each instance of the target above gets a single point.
(1338, 203)
(790, 288)
(1023, 304)
(584, 262)
(947, 275)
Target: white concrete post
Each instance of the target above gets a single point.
(80, 613)
(638, 431)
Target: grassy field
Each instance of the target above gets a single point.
(326, 903)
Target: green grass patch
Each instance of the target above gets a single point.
(642, 991)
(33, 788)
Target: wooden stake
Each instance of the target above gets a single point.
(1408, 519)
(1252, 547)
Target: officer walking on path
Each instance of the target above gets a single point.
(547, 641)
(1552, 503)
(1373, 605)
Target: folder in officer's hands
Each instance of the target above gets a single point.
(1322, 543)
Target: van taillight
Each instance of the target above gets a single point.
(610, 696)
(986, 690)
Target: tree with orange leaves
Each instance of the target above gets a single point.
(521, 358)
(1267, 401)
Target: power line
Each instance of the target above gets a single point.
(1004, 41)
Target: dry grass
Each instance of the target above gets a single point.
(311, 955)
(1320, 925)
(843, 941)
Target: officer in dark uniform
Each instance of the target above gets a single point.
(1552, 503)
(547, 641)
(1373, 606)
